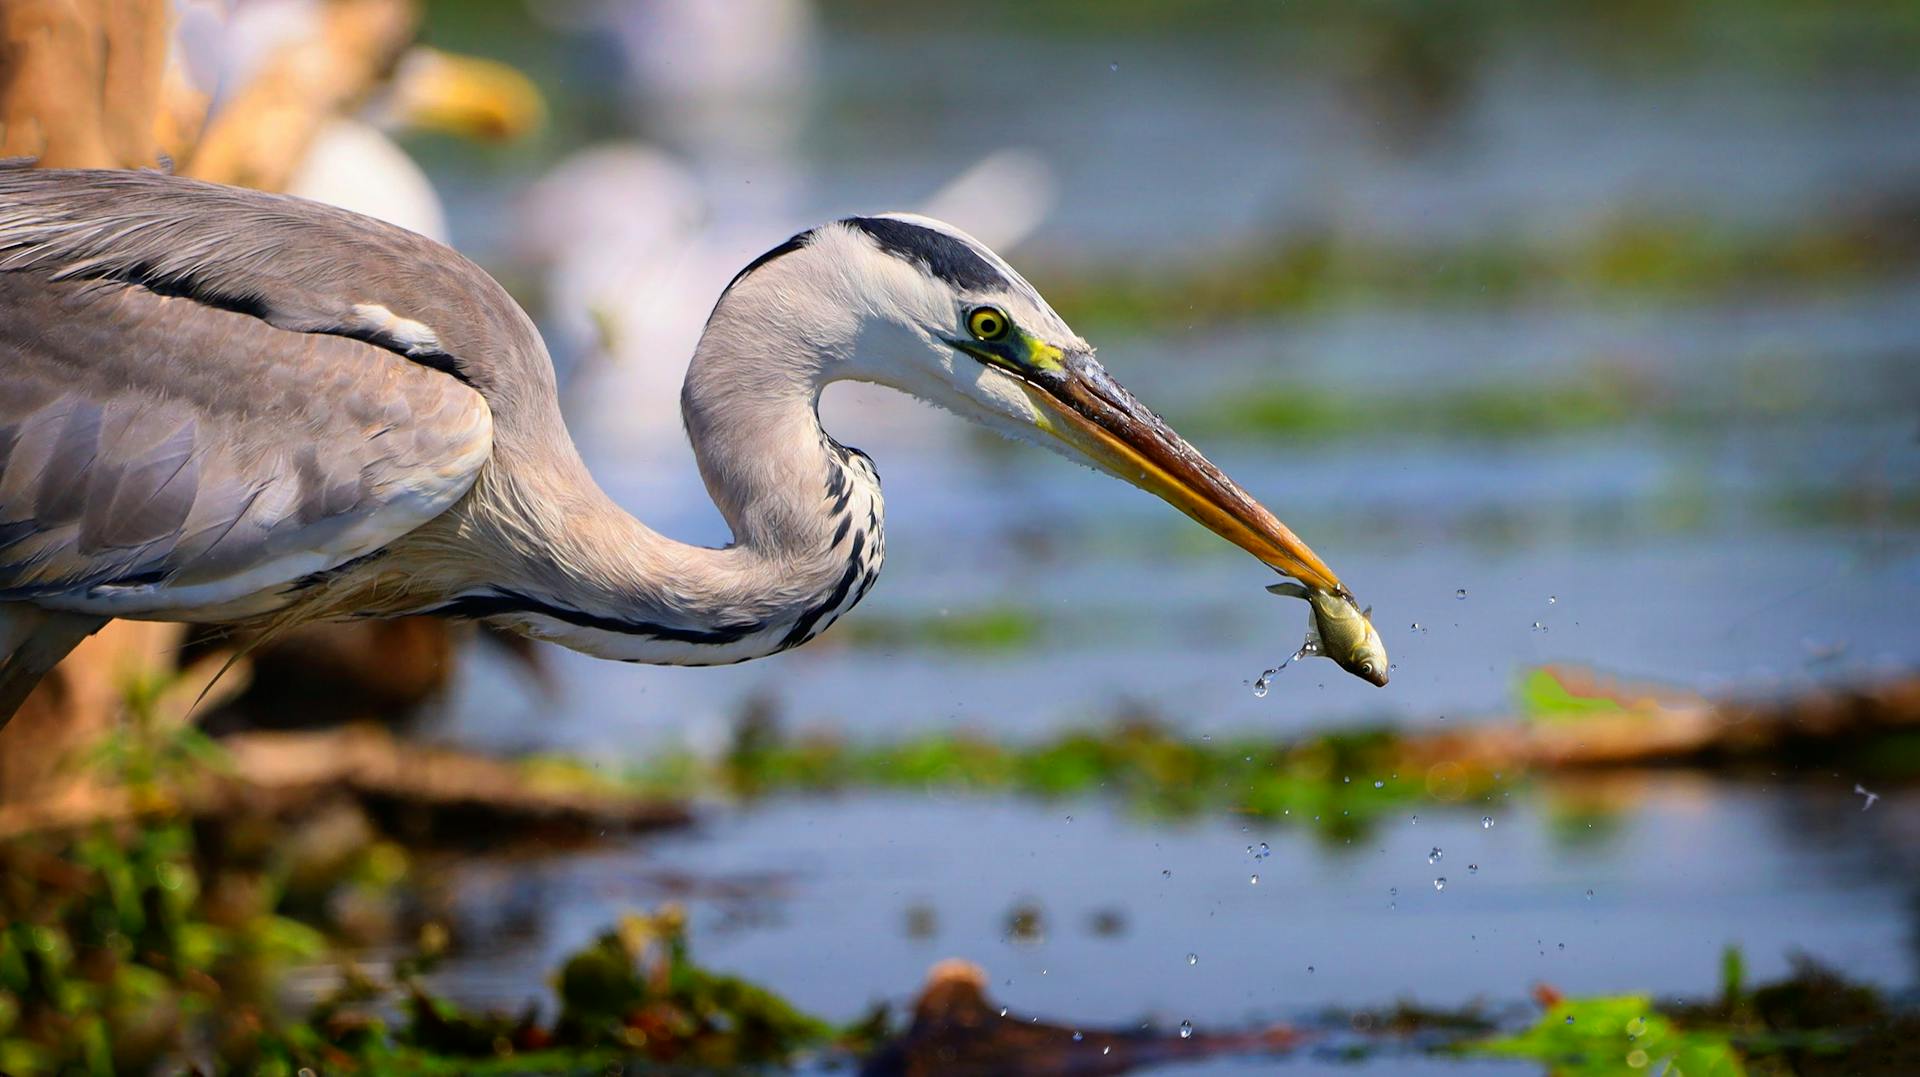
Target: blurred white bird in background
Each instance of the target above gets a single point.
(634, 239)
(352, 161)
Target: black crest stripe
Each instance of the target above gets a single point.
(949, 259)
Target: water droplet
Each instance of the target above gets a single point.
(1309, 968)
(1346, 779)
(1393, 891)
(1260, 684)
(1473, 869)
(1461, 593)
(1193, 959)
(1440, 883)
(1538, 627)
(1186, 1029)
(1486, 822)
(1416, 626)
(1551, 599)
(1107, 1050)
(1076, 1036)
(1003, 1011)
(1378, 784)
(1166, 873)
(1253, 880)
(1589, 895)
(1265, 851)
(1114, 66)
(1569, 1019)
(1434, 856)
(1563, 946)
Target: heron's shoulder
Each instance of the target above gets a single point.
(294, 263)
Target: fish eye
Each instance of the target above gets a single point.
(1366, 667)
(988, 324)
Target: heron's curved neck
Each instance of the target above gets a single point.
(805, 513)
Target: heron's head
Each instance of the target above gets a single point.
(918, 305)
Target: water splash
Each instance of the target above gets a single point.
(1263, 682)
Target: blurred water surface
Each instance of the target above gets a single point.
(1748, 522)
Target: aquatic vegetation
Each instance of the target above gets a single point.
(117, 947)
(1637, 253)
(1337, 783)
(985, 630)
(1297, 411)
(1545, 696)
(1814, 1020)
(1616, 1035)
(155, 940)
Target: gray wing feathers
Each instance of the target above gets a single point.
(160, 451)
(298, 265)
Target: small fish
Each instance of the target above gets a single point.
(1339, 629)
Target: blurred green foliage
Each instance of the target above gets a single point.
(1788, 36)
(1338, 784)
(1595, 399)
(155, 941)
(113, 952)
(1633, 256)
(1546, 697)
(631, 998)
(1609, 1035)
(984, 630)
(1811, 1021)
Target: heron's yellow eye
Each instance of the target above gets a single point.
(987, 323)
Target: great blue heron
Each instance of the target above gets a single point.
(223, 406)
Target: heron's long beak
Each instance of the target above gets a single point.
(1088, 410)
